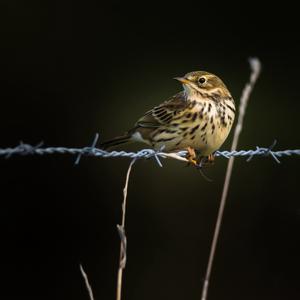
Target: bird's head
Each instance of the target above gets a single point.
(203, 82)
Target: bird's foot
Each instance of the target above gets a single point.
(191, 157)
(200, 161)
(205, 161)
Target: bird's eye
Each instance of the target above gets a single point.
(202, 80)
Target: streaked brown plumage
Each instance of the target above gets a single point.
(198, 118)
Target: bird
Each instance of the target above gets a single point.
(197, 119)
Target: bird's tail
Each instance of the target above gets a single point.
(115, 141)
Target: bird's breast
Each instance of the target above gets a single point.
(204, 125)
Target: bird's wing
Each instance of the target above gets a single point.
(164, 113)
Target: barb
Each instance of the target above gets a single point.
(26, 149)
(86, 281)
(267, 152)
(121, 230)
(90, 149)
(255, 71)
(22, 149)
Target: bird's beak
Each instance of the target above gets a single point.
(183, 80)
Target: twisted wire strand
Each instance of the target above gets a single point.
(26, 149)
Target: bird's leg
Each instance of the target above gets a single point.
(205, 160)
(191, 156)
(199, 161)
(211, 158)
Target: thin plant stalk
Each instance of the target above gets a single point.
(121, 230)
(87, 284)
(255, 66)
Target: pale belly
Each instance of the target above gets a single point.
(212, 142)
(204, 141)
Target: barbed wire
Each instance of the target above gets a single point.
(27, 149)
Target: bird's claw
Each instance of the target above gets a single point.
(201, 161)
(191, 157)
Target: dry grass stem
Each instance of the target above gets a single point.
(87, 284)
(121, 230)
(255, 71)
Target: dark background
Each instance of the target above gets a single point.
(70, 70)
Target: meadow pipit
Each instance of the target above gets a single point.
(198, 119)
